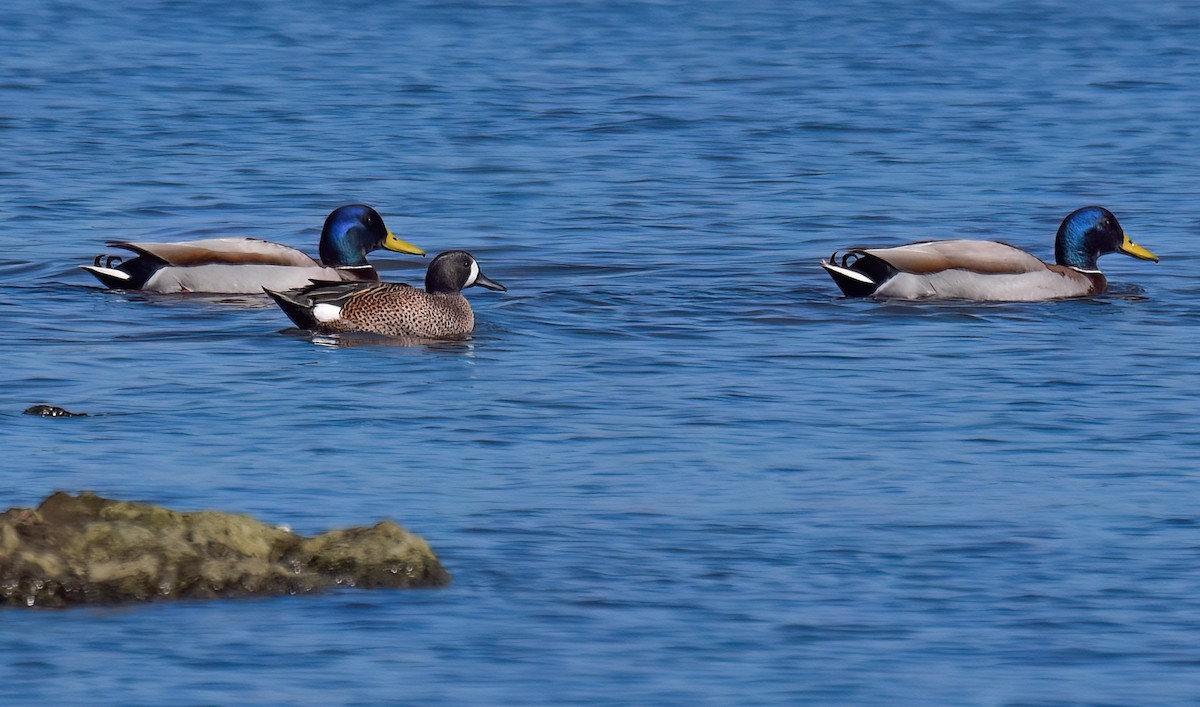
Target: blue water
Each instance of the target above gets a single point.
(672, 466)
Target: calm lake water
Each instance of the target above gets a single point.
(673, 465)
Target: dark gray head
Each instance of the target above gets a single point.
(455, 271)
(1088, 233)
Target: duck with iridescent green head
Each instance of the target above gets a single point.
(247, 265)
(988, 270)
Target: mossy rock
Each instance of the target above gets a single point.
(88, 549)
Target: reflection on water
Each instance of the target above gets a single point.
(357, 338)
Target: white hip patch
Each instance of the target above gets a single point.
(326, 312)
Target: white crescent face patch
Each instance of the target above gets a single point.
(474, 274)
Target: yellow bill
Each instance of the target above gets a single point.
(1128, 247)
(391, 242)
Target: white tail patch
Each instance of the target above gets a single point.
(111, 272)
(326, 312)
(852, 274)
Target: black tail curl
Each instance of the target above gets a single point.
(875, 269)
(110, 262)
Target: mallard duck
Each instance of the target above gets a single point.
(391, 308)
(988, 270)
(243, 265)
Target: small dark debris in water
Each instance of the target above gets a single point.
(53, 411)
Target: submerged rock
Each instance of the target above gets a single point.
(88, 549)
(52, 411)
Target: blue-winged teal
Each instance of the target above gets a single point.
(393, 309)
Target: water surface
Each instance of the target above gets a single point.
(672, 466)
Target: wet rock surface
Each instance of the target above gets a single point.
(87, 549)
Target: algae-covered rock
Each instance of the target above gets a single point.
(88, 549)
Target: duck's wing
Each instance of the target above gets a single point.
(220, 251)
(322, 301)
(986, 257)
(339, 290)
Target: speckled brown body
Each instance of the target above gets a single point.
(392, 308)
(399, 310)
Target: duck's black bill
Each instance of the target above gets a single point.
(485, 281)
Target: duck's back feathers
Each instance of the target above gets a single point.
(220, 251)
(986, 257)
